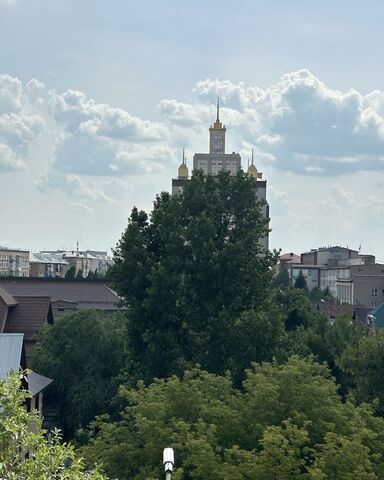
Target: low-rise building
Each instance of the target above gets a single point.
(13, 359)
(47, 265)
(14, 262)
(65, 296)
(58, 262)
(350, 277)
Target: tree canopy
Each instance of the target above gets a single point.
(84, 353)
(189, 269)
(287, 422)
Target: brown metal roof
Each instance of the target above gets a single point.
(81, 292)
(28, 316)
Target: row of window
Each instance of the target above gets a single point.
(374, 292)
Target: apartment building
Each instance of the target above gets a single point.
(14, 262)
(352, 278)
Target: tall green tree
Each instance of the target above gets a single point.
(84, 354)
(189, 269)
(25, 452)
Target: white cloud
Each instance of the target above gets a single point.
(298, 125)
(73, 185)
(309, 128)
(9, 162)
(20, 125)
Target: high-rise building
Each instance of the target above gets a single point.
(216, 160)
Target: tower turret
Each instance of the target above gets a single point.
(217, 134)
(183, 169)
(252, 170)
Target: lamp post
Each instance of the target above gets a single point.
(168, 462)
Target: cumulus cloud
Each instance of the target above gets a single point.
(20, 125)
(298, 125)
(71, 184)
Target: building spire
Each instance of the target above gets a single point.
(183, 156)
(218, 110)
(252, 157)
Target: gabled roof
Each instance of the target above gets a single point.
(37, 383)
(11, 349)
(378, 313)
(29, 316)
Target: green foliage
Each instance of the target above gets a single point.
(71, 272)
(281, 280)
(84, 354)
(287, 422)
(25, 453)
(365, 362)
(189, 270)
(301, 282)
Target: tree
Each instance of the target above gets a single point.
(84, 354)
(25, 452)
(364, 361)
(283, 424)
(301, 282)
(189, 269)
(71, 272)
(281, 280)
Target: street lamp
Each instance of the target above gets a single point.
(168, 462)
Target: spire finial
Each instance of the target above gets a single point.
(183, 156)
(218, 109)
(252, 156)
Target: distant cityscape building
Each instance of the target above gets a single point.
(217, 160)
(350, 277)
(14, 262)
(56, 263)
(47, 265)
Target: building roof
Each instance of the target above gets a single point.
(37, 383)
(378, 313)
(290, 257)
(85, 294)
(11, 347)
(360, 313)
(7, 298)
(30, 314)
(48, 258)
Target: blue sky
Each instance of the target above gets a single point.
(119, 88)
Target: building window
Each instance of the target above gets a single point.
(374, 292)
(374, 305)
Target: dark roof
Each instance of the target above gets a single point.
(334, 309)
(11, 347)
(37, 383)
(92, 294)
(29, 315)
(361, 313)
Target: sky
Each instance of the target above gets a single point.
(97, 100)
